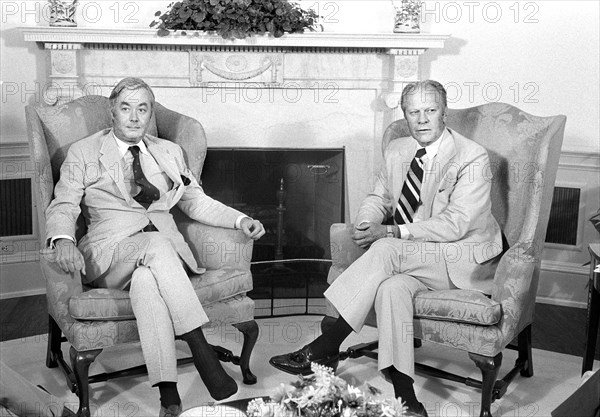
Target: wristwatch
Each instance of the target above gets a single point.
(390, 231)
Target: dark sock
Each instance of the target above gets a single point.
(219, 384)
(329, 342)
(168, 394)
(403, 388)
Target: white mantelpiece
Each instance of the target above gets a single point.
(311, 90)
(388, 41)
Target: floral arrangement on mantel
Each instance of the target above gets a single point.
(325, 395)
(235, 19)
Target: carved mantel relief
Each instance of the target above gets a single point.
(236, 67)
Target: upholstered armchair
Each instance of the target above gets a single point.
(95, 319)
(524, 152)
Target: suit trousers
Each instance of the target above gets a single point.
(162, 297)
(386, 278)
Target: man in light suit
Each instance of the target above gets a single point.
(125, 181)
(444, 236)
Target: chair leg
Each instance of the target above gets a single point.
(250, 331)
(489, 371)
(53, 352)
(525, 357)
(593, 318)
(81, 361)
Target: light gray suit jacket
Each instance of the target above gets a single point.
(92, 183)
(456, 205)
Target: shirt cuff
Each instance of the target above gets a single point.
(55, 238)
(238, 221)
(404, 233)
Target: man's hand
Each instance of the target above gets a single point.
(68, 257)
(252, 228)
(367, 232)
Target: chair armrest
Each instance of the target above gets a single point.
(60, 287)
(217, 247)
(344, 251)
(513, 288)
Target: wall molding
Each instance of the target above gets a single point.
(579, 160)
(24, 293)
(14, 149)
(564, 267)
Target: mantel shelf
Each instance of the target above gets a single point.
(91, 35)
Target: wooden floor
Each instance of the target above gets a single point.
(556, 328)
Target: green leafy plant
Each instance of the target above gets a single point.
(235, 18)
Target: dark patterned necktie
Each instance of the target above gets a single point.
(148, 192)
(410, 196)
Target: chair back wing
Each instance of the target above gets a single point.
(185, 131)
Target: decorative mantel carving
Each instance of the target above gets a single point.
(208, 53)
(258, 69)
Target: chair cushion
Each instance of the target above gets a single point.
(464, 306)
(109, 304)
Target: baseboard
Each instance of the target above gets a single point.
(563, 284)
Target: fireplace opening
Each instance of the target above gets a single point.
(297, 194)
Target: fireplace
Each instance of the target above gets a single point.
(297, 194)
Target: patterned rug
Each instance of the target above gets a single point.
(556, 375)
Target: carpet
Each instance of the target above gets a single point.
(556, 376)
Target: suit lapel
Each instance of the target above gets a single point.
(110, 158)
(433, 176)
(168, 165)
(165, 161)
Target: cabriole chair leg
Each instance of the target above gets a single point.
(54, 351)
(81, 361)
(525, 355)
(489, 372)
(250, 331)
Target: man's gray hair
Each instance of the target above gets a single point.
(422, 86)
(130, 83)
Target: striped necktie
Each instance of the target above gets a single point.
(148, 192)
(410, 197)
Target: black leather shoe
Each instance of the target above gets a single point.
(299, 362)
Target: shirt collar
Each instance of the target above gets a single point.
(124, 147)
(432, 150)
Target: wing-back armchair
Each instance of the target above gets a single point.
(95, 319)
(524, 152)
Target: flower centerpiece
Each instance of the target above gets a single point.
(235, 18)
(408, 16)
(325, 395)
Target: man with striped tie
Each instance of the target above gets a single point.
(434, 187)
